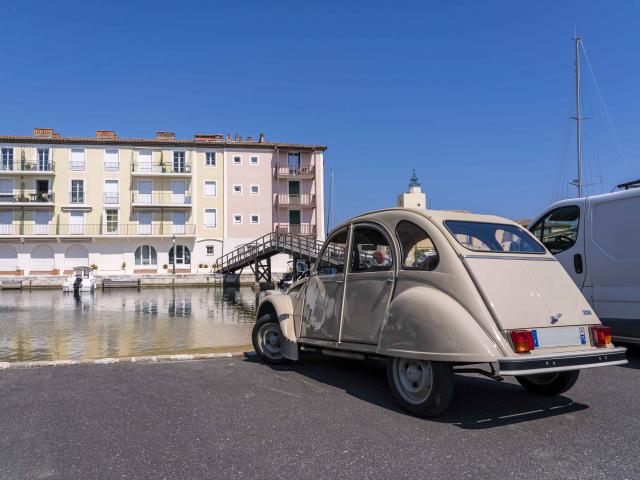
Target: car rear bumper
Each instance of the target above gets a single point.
(557, 363)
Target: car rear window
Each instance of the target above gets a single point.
(493, 237)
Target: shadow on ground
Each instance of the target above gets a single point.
(478, 403)
(633, 356)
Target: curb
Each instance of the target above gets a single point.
(112, 360)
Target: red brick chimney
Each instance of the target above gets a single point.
(43, 132)
(106, 134)
(165, 136)
(208, 137)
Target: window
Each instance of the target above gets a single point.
(237, 218)
(179, 164)
(237, 189)
(111, 160)
(210, 159)
(237, 160)
(255, 189)
(77, 191)
(293, 159)
(7, 159)
(493, 237)
(255, 219)
(182, 255)
(77, 159)
(146, 256)
(43, 159)
(417, 249)
(254, 160)
(210, 218)
(209, 249)
(111, 192)
(371, 251)
(210, 188)
(333, 254)
(111, 216)
(558, 230)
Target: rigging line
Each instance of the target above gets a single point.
(606, 110)
(561, 165)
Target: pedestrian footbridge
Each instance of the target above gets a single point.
(257, 254)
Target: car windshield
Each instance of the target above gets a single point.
(493, 237)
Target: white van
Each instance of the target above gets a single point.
(597, 241)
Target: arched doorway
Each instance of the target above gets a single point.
(182, 255)
(75, 256)
(42, 259)
(8, 259)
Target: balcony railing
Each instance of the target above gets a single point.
(304, 199)
(161, 198)
(160, 168)
(87, 230)
(76, 198)
(111, 198)
(298, 228)
(284, 170)
(27, 196)
(27, 166)
(76, 165)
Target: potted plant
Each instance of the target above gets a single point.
(94, 266)
(124, 265)
(165, 266)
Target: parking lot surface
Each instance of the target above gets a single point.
(321, 418)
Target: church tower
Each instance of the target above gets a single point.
(415, 197)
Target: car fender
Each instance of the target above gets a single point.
(280, 305)
(426, 323)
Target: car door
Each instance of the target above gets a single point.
(560, 231)
(369, 284)
(323, 296)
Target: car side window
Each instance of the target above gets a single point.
(417, 249)
(558, 229)
(334, 254)
(371, 251)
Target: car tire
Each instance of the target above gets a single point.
(549, 383)
(422, 387)
(267, 340)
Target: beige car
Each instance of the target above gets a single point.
(434, 293)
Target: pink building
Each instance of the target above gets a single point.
(278, 188)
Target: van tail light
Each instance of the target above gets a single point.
(601, 335)
(522, 341)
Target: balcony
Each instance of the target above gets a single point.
(111, 198)
(94, 230)
(158, 200)
(24, 167)
(295, 171)
(27, 198)
(296, 200)
(297, 228)
(161, 169)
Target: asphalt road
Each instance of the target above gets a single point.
(322, 418)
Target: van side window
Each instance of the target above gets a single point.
(334, 254)
(417, 250)
(371, 250)
(558, 229)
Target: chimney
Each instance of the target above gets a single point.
(238, 138)
(261, 138)
(249, 139)
(228, 137)
(56, 136)
(165, 136)
(208, 137)
(43, 132)
(106, 134)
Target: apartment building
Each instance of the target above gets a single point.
(131, 205)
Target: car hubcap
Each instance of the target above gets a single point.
(270, 341)
(413, 379)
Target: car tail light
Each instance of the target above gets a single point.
(522, 341)
(601, 335)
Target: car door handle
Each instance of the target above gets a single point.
(339, 281)
(577, 263)
(389, 280)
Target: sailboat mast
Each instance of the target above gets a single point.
(578, 116)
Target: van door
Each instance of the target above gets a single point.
(613, 249)
(562, 231)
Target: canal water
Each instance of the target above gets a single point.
(50, 325)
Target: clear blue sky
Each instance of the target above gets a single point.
(473, 95)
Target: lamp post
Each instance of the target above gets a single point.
(173, 239)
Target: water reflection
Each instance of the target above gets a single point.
(47, 325)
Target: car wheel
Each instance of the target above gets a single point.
(549, 383)
(267, 340)
(422, 387)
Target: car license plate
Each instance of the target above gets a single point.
(559, 336)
